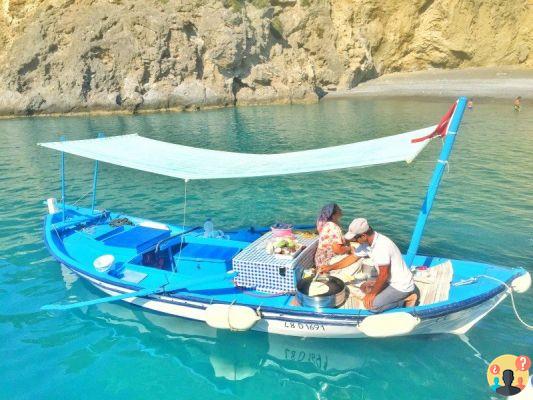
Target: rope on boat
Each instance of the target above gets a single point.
(57, 233)
(265, 296)
(510, 291)
(82, 197)
(184, 219)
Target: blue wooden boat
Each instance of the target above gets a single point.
(190, 273)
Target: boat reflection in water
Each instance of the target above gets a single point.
(238, 362)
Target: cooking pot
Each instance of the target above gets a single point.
(334, 297)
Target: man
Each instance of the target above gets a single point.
(516, 103)
(394, 282)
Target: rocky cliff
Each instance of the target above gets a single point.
(89, 55)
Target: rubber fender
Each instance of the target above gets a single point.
(390, 324)
(227, 316)
(52, 205)
(522, 283)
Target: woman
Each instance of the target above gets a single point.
(330, 241)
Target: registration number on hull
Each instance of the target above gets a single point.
(305, 326)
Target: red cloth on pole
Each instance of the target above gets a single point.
(440, 130)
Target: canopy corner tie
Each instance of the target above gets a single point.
(446, 164)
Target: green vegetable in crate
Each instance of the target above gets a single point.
(281, 243)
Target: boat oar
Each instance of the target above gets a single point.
(140, 293)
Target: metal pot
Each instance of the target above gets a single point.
(334, 297)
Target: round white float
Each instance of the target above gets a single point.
(52, 205)
(104, 263)
(227, 316)
(385, 325)
(522, 283)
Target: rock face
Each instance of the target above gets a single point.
(60, 56)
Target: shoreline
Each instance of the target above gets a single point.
(479, 83)
(102, 112)
(486, 83)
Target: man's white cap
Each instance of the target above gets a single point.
(357, 227)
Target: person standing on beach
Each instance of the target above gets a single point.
(516, 103)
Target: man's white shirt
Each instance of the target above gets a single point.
(383, 251)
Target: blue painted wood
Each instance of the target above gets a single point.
(139, 238)
(63, 307)
(141, 293)
(434, 183)
(63, 199)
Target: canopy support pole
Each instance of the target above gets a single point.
(95, 179)
(62, 168)
(435, 180)
(176, 265)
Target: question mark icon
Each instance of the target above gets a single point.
(523, 363)
(495, 369)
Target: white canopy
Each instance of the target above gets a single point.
(185, 162)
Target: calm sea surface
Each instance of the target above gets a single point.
(484, 211)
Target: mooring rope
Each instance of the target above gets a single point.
(510, 291)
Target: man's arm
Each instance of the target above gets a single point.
(340, 248)
(382, 279)
(379, 285)
(346, 261)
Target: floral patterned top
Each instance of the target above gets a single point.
(329, 235)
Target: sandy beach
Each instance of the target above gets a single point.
(495, 83)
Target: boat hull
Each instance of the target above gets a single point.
(286, 324)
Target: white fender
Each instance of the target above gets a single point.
(392, 324)
(522, 283)
(228, 316)
(52, 205)
(104, 263)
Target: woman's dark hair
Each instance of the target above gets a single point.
(326, 214)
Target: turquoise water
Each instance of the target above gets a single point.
(484, 212)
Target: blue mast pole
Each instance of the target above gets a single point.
(95, 179)
(434, 183)
(62, 138)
